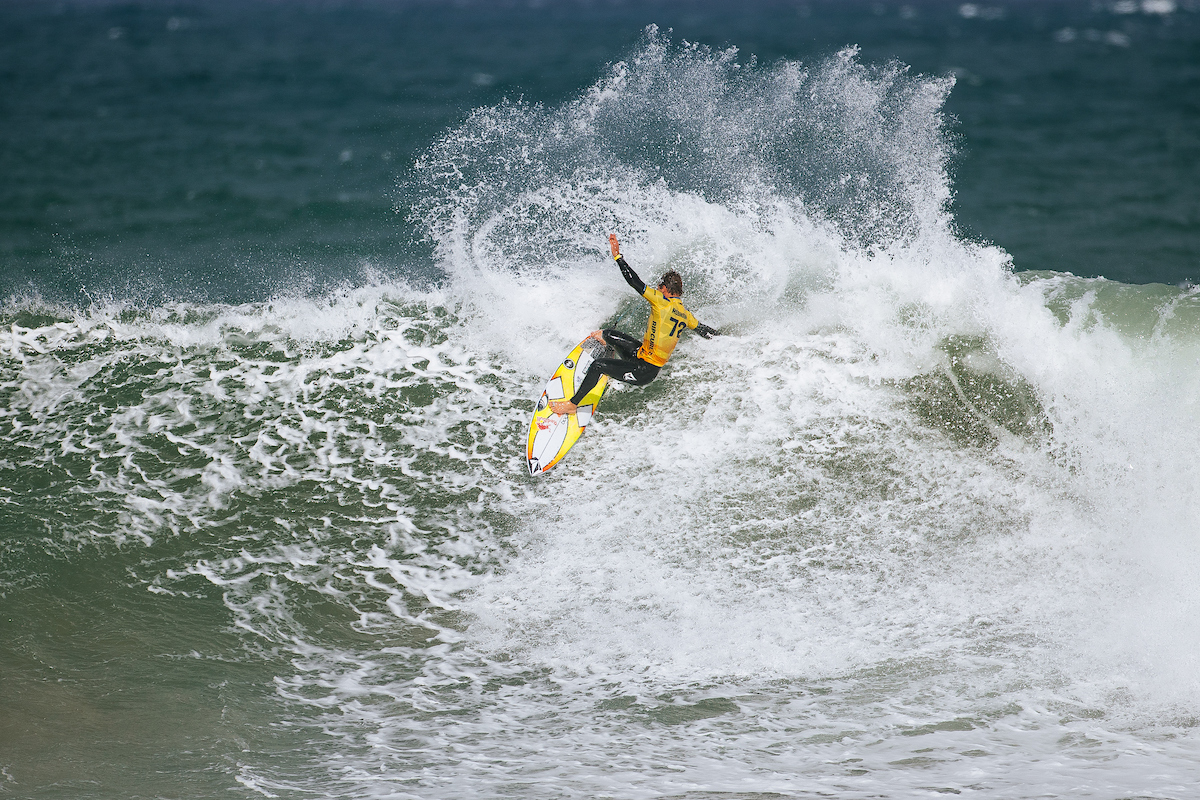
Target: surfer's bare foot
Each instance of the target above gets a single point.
(599, 337)
(563, 407)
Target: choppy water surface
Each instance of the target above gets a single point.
(917, 524)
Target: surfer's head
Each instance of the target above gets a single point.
(671, 283)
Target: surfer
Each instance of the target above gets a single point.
(639, 362)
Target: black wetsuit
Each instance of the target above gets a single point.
(628, 368)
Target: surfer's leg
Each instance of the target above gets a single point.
(594, 371)
(625, 345)
(633, 371)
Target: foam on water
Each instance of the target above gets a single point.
(914, 524)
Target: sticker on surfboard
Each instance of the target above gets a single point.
(552, 435)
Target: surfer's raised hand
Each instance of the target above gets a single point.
(614, 246)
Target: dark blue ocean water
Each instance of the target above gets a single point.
(237, 150)
(280, 282)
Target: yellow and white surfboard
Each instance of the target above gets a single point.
(552, 435)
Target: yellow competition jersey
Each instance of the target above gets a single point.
(667, 318)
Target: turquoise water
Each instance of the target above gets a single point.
(281, 282)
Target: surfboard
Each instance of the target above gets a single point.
(551, 436)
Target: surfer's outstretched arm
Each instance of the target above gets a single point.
(631, 277)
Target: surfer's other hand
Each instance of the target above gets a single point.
(706, 331)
